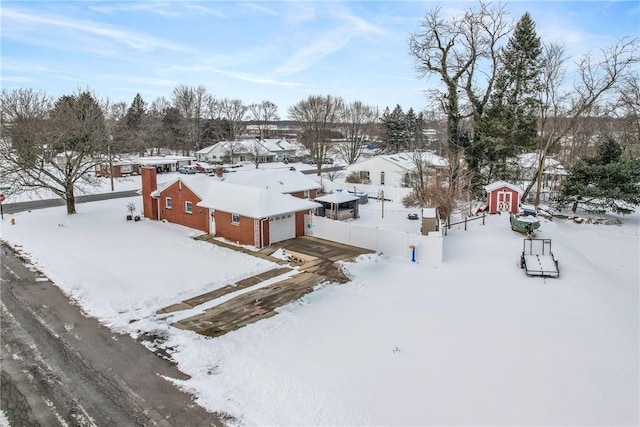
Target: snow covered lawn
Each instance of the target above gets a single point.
(472, 341)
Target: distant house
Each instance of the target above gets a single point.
(394, 169)
(281, 149)
(246, 215)
(269, 150)
(132, 166)
(118, 168)
(525, 167)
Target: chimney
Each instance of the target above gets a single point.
(149, 185)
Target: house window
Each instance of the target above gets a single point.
(364, 176)
(235, 219)
(305, 194)
(381, 178)
(167, 202)
(126, 168)
(188, 207)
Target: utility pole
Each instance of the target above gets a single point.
(382, 198)
(110, 161)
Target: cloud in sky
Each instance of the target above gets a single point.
(131, 39)
(255, 50)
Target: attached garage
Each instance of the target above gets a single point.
(282, 227)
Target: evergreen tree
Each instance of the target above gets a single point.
(509, 124)
(395, 135)
(605, 182)
(135, 113)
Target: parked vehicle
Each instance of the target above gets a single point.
(204, 168)
(189, 169)
(524, 223)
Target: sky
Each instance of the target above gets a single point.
(282, 52)
(469, 341)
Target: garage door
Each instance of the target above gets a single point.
(282, 227)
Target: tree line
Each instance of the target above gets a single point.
(503, 91)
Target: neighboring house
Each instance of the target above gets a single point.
(281, 149)
(269, 150)
(118, 168)
(503, 197)
(246, 215)
(284, 181)
(525, 167)
(394, 169)
(214, 153)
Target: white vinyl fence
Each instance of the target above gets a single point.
(428, 249)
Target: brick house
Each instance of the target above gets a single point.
(243, 214)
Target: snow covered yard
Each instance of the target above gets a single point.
(473, 341)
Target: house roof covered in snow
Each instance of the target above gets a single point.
(530, 160)
(406, 160)
(280, 180)
(206, 150)
(277, 145)
(247, 201)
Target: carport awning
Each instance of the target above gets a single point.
(337, 197)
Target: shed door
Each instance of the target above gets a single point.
(282, 227)
(504, 201)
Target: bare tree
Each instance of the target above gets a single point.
(235, 112)
(562, 108)
(628, 113)
(156, 134)
(192, 104)
(463, 52)
(263, 114)
(318, 115)
(61, 153)
(257, 150)
(357, 122)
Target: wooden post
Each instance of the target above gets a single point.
(483, 214)
(465, 223)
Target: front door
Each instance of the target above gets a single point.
(504, 201)
(212, 227)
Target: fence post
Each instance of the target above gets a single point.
(465, 223)
(483, 215)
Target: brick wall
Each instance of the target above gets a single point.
(300, 194)
(180, 194)
(242, 232)
(300, 223)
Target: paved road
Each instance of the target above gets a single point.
(9, 208)
(60, 367)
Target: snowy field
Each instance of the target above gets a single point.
(473, 341)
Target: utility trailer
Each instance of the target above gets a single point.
(537, 258)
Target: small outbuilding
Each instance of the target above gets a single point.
(502, 197)
(339, 205)
(430, 221)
